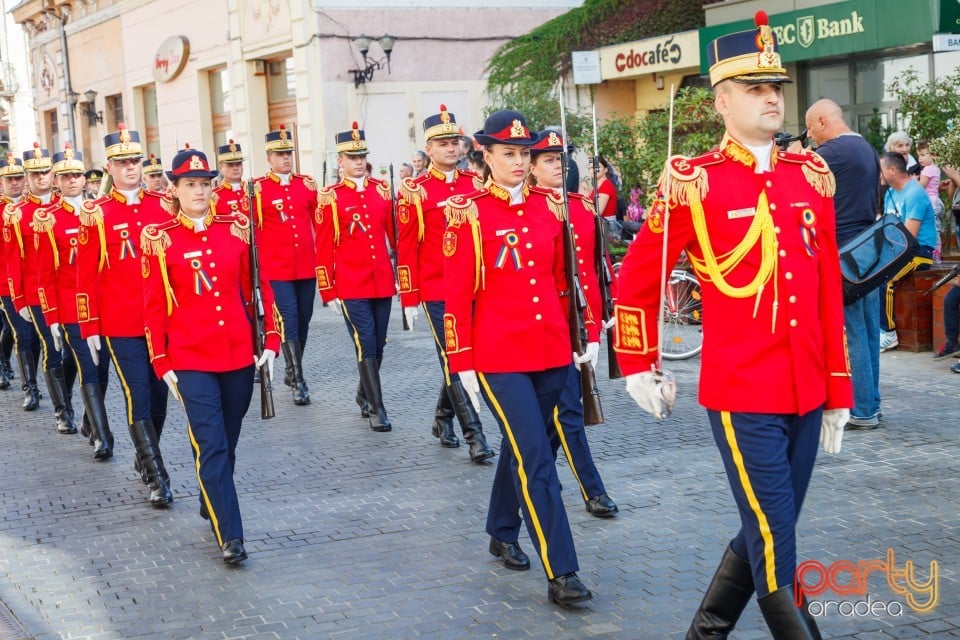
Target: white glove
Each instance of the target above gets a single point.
(171, 379)
(654, 392)
(472, 386)
(57, 338)
(831, 429)
(335, 306)
(591, 354)
(93, 343)
(266, 358)
(609, 324)
(25, 314)
(411, 314)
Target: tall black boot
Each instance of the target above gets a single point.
(6, 350)
(443, 420)
(361, 399)
(95, 413)
(725, 599)
(469, 423)
(292, 355)
(370, 378)
(148, 452)
(785, 620)
(62, 410)
(28, 371)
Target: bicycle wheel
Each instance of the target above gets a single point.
(683, 322)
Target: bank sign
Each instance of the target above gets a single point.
(839, 29)
(651, 55)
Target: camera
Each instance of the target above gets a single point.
(784, 139)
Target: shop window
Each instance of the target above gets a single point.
(222, 123)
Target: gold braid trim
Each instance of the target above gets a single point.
(460, 209)
(686, 181)
(154, 241)
(166, 203)
(555, 204)
(240, 228)
(91, 215)
(43, 220)
(414, 194)
(309, 183)
(479, 270)
(477, 182)
(823, 183)
(384, 190)
(12, 214)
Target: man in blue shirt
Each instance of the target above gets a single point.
(906, 199)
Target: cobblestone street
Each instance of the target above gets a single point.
(356, 534)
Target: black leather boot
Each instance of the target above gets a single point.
(370, 378)
(148, 452)
(6, 350)
(469, 423)
(28, 371)
(95, 413)
(785, 620)
(59, 396)
(725, 599)
(361, 399)
(292, 355)
(86, 430)
(443, 420)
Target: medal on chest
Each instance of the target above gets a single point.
(355, 223)
(509, 251)
(201, 280)
(280, 212)
(127, 250)
(808, 230)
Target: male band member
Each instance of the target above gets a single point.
(26, 341)
(229, 196)
(153, 179)
(58, 231)
(109, 285)
(285, 205)
(353, 221)
(758, 226)
(6, 332)
(420, 269)
(29, 300)
(94, 177)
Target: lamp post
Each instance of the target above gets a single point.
(363, 42)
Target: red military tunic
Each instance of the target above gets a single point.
(352, 229)
(504, 280)
(285, 242)
(59, 231)
(421, 219)
(196, 291)
(779, 348)
(21, 273)
(109, 282)
(8, 247)
(227, 200)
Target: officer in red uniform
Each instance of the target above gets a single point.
(353, 222)
(108, 278)
(758, 227)
(153, 179)
(196, 270)
(285, 204)
(29, 300)
(229, 196)
(23, 337)
(505, 328)
(420, 268)
(58, 230)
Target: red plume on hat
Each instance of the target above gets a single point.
(760, 18)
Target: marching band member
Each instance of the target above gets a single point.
(153, 179)
(505, 331)
(196, 270)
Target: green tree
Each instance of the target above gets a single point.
(876, 132)
(927, 108)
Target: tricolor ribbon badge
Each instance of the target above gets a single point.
(357, 224)
(127, 249)
(510, 242)
(279, 205)
(201, 280)
(73, 251)
(808, 229)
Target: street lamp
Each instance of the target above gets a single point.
(363, 42)
(89, 109)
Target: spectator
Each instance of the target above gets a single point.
(466, 146)
(951, 326)
(857, 171)
(900, 142)
(406, 170)
(607, 190)
(420, 162)
(953, 194)
(476, 164)
(929, 179)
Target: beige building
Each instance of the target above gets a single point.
(181, 71)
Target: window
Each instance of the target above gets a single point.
(114, 111)
(52, 126)
(281, 93)
(220, 106)
(150, 138)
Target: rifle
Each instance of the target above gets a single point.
(256, 307)
(950, 275)
(590, 395)
(396, 245)
(602, 258)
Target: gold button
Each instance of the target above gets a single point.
(530, 263)
(533, 281)
(576, 236)
(219, 308)
(793, 323)
(296, 235)
(138, 224)
(214, 278)
(788, 275)
(209, 251)
(519, 213)
(783, 253)
(525, 229)
(536, 298)
(372, 247)
(539, 317)
(773, 206)
(776, 229)
(529, 245)
(585, 287)
(204, 238)
(793, 299)
(216, 294)
(578, 248)
(580, 261)
(220, 323)
(213, 265)
(769, 184)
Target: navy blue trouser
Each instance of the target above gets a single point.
(215, 403)
(294, 300)
(24, 335)
(89, 373)
(52, 358)
(144, 393)
(768, 459)
(526, 475)
(434, 311)
(367, 320)
(568, 432)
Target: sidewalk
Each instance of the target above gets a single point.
(355, 534)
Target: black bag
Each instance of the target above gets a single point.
(877, 253)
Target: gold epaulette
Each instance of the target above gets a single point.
(239, 225)
(587, 202)
(554, 201)
(383, 188)
(167, 204)
(156, 194)
(154, 240)
(815, 170)
(687, 176)
(462, 208)
(12, 213)
(215, 197)
(91, 214)
(308, 181)
(43, 220)
(412, 191)
(327, 196)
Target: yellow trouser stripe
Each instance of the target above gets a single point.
(521, 472)
(770, 563)
(76, 358)
(16, 343)
(356, 335)
(443, 349)
(203, 491)
(43, 343)
(566, 451)
(123, 382)
(888, 300)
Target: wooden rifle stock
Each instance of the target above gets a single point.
(257, 309)
(396, 245)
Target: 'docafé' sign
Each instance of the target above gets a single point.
(650, 55)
